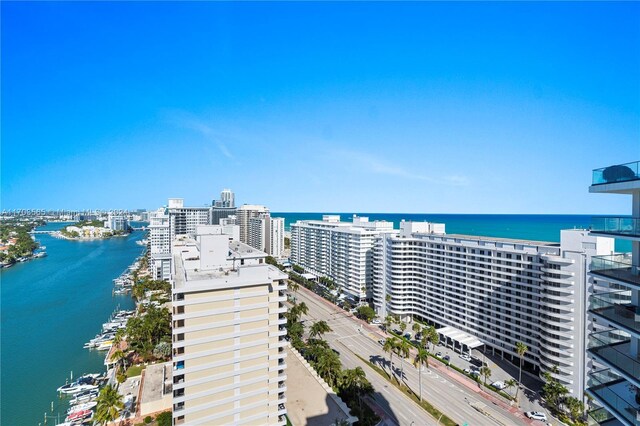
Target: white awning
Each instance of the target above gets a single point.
(460, 336)
(309, 276)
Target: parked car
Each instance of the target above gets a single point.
(466, 371)
(446, 358)
(536, 415)
(499, 385)
(376, 321)
(397, 331)
(475, 373)
(439, 354)
(466, 357)
(381, 341)
(418, 336)
(407, 335)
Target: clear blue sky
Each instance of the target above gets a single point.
(370, 107)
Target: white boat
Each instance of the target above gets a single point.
(105, 346)
(75, 387)
(84, 397)
(81, 407)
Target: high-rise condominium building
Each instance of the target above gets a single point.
(493, 292)
(159, 244)
(224, 207)
(118, 223)
(614, 306)
(342, 251)
(244, 214)
(183, 220)
(228, 333)
(266, 233)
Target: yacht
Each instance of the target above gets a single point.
(81, 407)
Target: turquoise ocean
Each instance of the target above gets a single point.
(50, 307)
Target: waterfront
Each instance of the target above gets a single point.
(50, 308)
(523, 226)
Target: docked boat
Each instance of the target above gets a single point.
(105, 346)
(76, 387)
(82, 407)
(85, 396)
(78, 415)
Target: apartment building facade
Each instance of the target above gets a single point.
(184, 220)
(244, 214)
(342, 251)
(499, 291)
(614, 305)
(159, 244)
(228, 333)
(266, 233)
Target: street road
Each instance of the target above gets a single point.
(452, 398)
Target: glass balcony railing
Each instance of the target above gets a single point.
(616, 307)
(615, 394)
(616, 173)
(613, 347)
(617, 266)
(625, 226)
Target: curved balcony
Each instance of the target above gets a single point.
(617, 267)
(620, 226)
(615, 307)
(557, 260)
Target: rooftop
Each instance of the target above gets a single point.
(495, 239)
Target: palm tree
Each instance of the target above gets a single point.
(109, 405)
(294, 286)
(318, 329)
(328, 367)
(521, 349)
(389, 346)
(486, 373)
(388, 320)
(355, 381)
(422, 358)
(404, 349)
(434, 337)
(416, 327)
(403, 326)
(510, 383)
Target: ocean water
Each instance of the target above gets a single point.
(528, 227)
(49, 308)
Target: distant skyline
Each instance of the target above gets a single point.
(416, 107)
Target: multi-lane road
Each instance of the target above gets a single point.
(459, 400)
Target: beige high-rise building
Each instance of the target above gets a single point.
(228, 333)
(244, 215)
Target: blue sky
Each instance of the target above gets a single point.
(370, 107)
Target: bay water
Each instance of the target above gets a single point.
(49, 308)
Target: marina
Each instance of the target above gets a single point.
(60, 301)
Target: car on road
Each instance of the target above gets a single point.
(466, 357)
(536, 415)
(376, 321)
(381, 341)
(499, 385)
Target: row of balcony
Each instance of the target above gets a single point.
(615, 395)
(613, 348)
(623, 226)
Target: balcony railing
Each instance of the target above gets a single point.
(613, 347)
(615, 307)
(617, 266)
(617, 173)
(616, 225)
(615, 394)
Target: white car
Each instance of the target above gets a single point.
(466, 357)
(500, 386)
(376, 321)
(536, 415)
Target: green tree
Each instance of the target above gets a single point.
(403, 349)
(403, 326)
(485, 372)
(521, 349)
(164, 419)
(319, 328)
(109, 404)
(329, 367)
(416, 328)
(390, 346)
(293, 286)
(355, 383)
(366, 313)
(553, 391)
(422, 358)
(511, 383)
